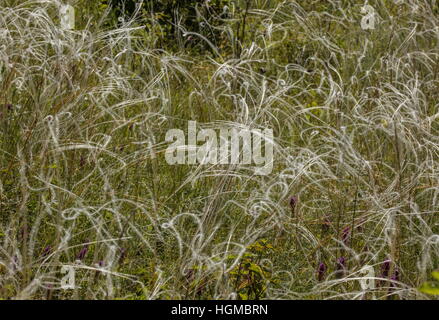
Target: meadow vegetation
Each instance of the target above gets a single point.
(350, 210)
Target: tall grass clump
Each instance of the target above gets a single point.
(350, 210)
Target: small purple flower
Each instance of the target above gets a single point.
(123, 254)
(341, 264)
(321, 271)
(83, 252)
(293, 202)
(47, 250)
(385, 268)
(82, 161)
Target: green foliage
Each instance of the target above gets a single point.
(431, 287)
(250, 277)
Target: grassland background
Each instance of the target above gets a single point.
(350, 210)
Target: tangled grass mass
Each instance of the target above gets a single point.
(90, 209)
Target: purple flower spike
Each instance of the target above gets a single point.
(385, 268)
(83, 252)
(321, 271)
(293, 202)
(341, 264)
(47, 250)
(123, 254)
